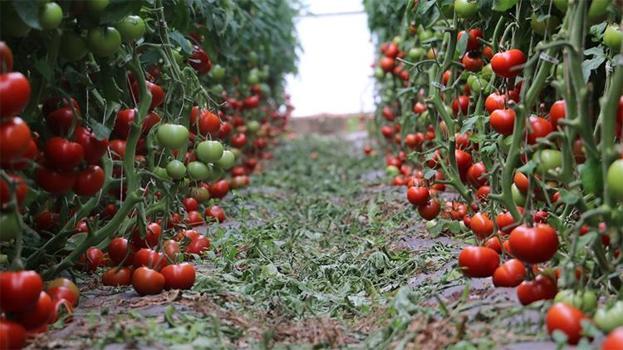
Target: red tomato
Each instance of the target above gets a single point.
(149, 122)
(117, 147)
(117, 277)
(495, 101)
(505, 222)
(503, 121)
(387, 64)
(190, 204)
(55, 182)
(209, 123)
(481, 225)
(95, 258)
(509, 274)
(472, 39)
(63, 154)
(391, 50)
(179, 276)
(239, 140)
(14, 138)
(472, 62)
(388, 113)
(463, 161)
(12, 335)
(171, 249)
(521, 181)
(23, 161)
(157, 94)
(38, 315)
(460, 104)
(215, 212)
(123, 123)
(493, 243)
(476, 174)
(219, 189)
(614, 340)
(193, 218)
(20, 290)
(251, 102)
(538, 127)
(198, 245)
(60, 120)
(89, 181)
(483, 192)
(6, 58)
(567, 319)
(94, 149)
(64, 293)
(119, 251)
(21, 190)
(14, 93)
(147, 281)
(65, 283)
(556, 112)
(418, 195)
(541, 288)
(150, 258)
(430, 210)
(535, 244)
(478, 262)
(507, 64)
(200, 60)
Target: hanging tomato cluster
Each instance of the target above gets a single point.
(514, 109)
(124, 124)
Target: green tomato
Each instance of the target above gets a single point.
(253, 79)
(131, 28)
(217, 89)
(487, 72)
(546, 160)
(218, 72)
(397, 40)
(198, 171)
(392, 171)
(583, 300)
(425, 34)
(161, 173)
(50, 15)
(236, 152)
(176, 169)
(465, 8)
(561, 5)
(97, 6)
(253, 126)
(607, 320)
(73, 46)
(216, 174)
(541, 26)
(104, 41)
(613, 179)
(10, 226)
(200, 194)
(253, 58)
(447, 9)
(613, 36)
(416, 53)
(598, 10)
(379, 73)
(518, 197)
(172, 135)
(228, 159)
(209, 151)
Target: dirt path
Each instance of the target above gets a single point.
(319, 252)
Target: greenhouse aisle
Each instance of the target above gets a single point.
(319, 252)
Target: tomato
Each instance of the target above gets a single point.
(14, 138)
(193, 218)
(190, 204)
(538, 127)
(117, 147)
(505, 222)
(466, 8)
(218, 72)
(547, 159)
(20, 290)
(418, 195)
(50, 15)
(476, 174)
(117, 277)
(12, 335)
(463, 161)
(227, 160)
(472, 62)
(239, 140)
(613, 37)
(556, 112)
(119, 251)
(14, 93)
(147, 281)
(597, 12)
(541, 288)
(176, 169)
(614, 340)
(93, 148)
(387, 64)
(508, 64)
(251, 102)
(200, 60)
(609, 319)
(89, 181)
(613, 179)
(131, 28)
(542, 26)
(179, 276)
(521, 181)
(503, 121)
(63, 154)
(567, 319)
(172, 135)
(483, 192)
(198, 171)
(219, 189)
(481, 225)
(152, 236)
(171, 249)
(38, 315)
(97, 6)
(65, 283)
(478, 262)
(461, 104)
(123, 122)
(208, 122)
(429, 210)
(60, 120)
(209, 151)
(21, 189)
(474, 35)
(535, 244)
(150, 258)
(6, 58)
(73, 46)
(198, 245)
(585, 300)
(509, 274)
(103, 41)
(215, 212)
(94, 258)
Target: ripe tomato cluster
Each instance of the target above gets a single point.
(495, 113)
(122, 131)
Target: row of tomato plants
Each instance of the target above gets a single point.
(516, 108)
(123, 124)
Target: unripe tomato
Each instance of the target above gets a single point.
(131, 28)
(50, 15)
(104, 41)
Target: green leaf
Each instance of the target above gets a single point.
(528, 168)
(184, 43)
(469, 123)
(101, 131)
(28, 11)
(589, 65)
(569, 197)
(461, 45)
(44, 69)
(503, 5)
